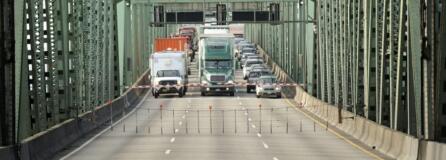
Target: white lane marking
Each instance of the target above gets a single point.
(187, 111)
(240, 103)
(246, 113)
(259, 135)
(249, 119)
(275, 158)
(105, 130)
(176, 130)
(265, 145)
(238, 97)
(253, 126)
(172, 140)
(184, 116)
(180, 123)
(167, 152)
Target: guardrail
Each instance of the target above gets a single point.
(46, 144)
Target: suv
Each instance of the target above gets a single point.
(267, 86)
(253, 77)
(248, 65)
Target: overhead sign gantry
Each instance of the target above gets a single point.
(218, 13)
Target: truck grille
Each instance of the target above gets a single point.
(218, 78)
(170, 82)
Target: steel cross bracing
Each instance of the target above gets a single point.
(69, 60)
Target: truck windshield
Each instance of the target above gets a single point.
(168, 73)
(218, 64)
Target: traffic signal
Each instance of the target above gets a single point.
(158, 16)
(221, 14)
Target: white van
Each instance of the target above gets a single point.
(168, 73)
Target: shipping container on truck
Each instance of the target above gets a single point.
(237, 29)
(172, 43)
(191, 33)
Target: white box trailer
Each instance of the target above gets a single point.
(169, 73)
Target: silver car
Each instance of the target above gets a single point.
(248, 65)
(254, 76)
(267, 86)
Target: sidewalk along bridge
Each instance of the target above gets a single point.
(359, 79)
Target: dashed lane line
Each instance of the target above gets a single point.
(167, 152)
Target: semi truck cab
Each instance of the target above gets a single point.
(217, 65)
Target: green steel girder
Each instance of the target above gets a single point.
(7, 74)
(439, 61)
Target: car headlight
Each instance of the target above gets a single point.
(231, 82)
(179, 82)
(204, 82)
(278, 88)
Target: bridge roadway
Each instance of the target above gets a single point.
(239, 131)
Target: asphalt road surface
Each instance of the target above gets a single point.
(217, 127)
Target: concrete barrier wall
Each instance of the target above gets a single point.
(7, 153)
(46, 144)
(432, 150)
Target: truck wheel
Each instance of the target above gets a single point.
(203, 94)
(279, 96)
(258, 96)
(231, 94)
(248, 90)
(185, 90)
(156, 95)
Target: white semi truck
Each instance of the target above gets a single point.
(168, 73)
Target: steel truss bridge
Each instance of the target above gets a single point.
(70, 68)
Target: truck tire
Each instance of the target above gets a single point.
(258, 96)
(181, 93)
(248, 90)
(203, 94)
(231, 94)
(279, 96)
(156, 95)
